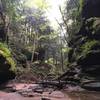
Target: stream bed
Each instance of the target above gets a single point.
(24, 92)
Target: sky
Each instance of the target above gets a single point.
(52, 12)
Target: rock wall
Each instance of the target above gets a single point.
(85, 52)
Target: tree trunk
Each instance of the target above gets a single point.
(4, 24)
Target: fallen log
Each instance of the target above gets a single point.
(52, 84)
(56, 85)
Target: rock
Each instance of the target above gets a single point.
(7, 64)
(93, 70)
(91, 58)
(90, 8)
(85, 45)
(95, 85)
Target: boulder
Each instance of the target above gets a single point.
(7, 64)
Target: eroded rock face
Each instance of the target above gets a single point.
(86, 44)
(90, 49)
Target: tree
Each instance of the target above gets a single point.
(71, 16)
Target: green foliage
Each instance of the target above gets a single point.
(9, 8)
(88, 46)
(30, 27)
(56, 70)
(49, 61)
(41, 4)
(81, 3)
(41, 70)
(73, 13)
(66, 49)
(5, 52)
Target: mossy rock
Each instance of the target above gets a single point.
(90, 45)
(89, 53)
(93, 26)
(7, 64)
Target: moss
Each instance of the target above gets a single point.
(4, 49)
(88, 46)
(5, 52)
